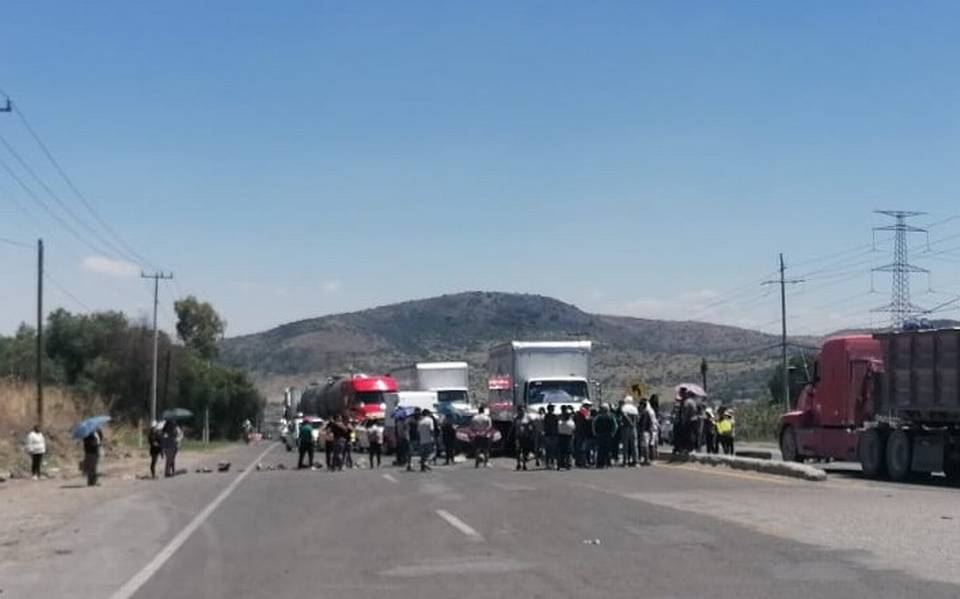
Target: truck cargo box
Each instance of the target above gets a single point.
(921, 378)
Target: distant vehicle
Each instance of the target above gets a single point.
(448, 379)
(291, 433)
(357, 396)
(890, 401)
(410, 400)
(530, 373)
(533, 374)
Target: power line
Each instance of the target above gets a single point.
(16, 243)
(39, 201)
(56, 198)
(66, 292)
(83, 199)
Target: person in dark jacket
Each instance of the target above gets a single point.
(91, 456)
(449, 434)
(155, 438)
(523, 433)
(550, 422)
(605, 429)
(414, 438)
(172, 435)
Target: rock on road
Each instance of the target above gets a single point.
(665, 531)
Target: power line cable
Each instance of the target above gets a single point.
(16, 243)
(83, 199)
(56, 198)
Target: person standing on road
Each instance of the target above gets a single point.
(402, 435)
(481, 427)
(646, 424)
(449, 435)
(348, 445)
(550, 422)
(155, 439)
(172, 436)
(523, 434)
(710, 431)
(653, 407)
(605, 430)
(305, 444)
(414, 428)
(539, 443)
(91, 456)
(374, 441)
(630, 415)
(36, 446)
(329, 444)
(581, 421)
(341, 436)
(566, 428)
(426, 429)
(725, 430)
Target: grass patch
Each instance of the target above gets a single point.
(194, 445)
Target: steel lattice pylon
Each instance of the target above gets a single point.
(900, 307)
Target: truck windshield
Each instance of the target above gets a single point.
(368, 398)
(454, 395)
(540, 391)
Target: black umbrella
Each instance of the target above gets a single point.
(176, 414)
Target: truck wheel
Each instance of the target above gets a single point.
(872, 454)
(899, 454)
(788, 445)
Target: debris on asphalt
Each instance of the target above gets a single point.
(223, 466)
(591, 541)
(205, 470)
(281, 467)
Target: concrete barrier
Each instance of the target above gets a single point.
(791, 469)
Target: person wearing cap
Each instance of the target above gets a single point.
(725, 430)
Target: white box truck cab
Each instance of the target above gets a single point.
(537, 373)
(448, 379)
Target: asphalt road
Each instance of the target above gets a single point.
(664, 531)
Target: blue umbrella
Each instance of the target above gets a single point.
(88, 426)
(403, 412)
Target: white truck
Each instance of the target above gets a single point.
(535, 373)
(448, 379)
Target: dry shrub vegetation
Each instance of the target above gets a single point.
(18, 414)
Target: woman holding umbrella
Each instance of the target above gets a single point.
(89, 431)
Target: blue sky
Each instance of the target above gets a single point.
(288, 160)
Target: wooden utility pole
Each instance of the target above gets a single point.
(157, 276)
(783, 282)
(40, 332)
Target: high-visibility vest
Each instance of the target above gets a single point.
(725, 426)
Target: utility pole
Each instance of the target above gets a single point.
(900, 306)
(39, 331)
(783, 282)
(157, 276)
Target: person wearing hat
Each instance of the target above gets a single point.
(725, 430)
(629, 416)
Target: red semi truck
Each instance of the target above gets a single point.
(890, 401)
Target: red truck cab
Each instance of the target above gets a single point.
(834, 405)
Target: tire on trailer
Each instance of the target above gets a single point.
(788, 445)
(899, 455)
(872, 452)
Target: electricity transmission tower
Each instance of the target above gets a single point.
(900, 306)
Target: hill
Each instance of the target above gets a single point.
(465, 325)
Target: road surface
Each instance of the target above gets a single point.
(665, 531)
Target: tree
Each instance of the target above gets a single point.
(199, 326)
(797, 366)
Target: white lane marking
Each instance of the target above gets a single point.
(459, 524)
(141, 577)
(390, 478)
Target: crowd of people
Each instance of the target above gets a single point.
(698, 428)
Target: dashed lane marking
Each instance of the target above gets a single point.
(141, 577)
(459, 525)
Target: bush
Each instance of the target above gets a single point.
(757, 421)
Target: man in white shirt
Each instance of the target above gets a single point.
(481, 426)
(375, 441)
(425, 430)
(36, 447)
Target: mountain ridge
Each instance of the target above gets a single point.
(464, 325)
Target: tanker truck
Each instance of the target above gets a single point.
(357, 396)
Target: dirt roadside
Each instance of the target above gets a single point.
(32, 510)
